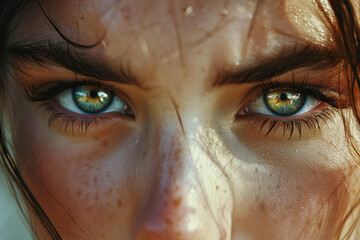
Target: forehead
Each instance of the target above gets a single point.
(160, 36)
(189, 21)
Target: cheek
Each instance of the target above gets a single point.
(81, 184)
(305, 205)
(299, 193)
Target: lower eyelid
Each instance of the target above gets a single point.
(54, 107)
(319, 107)
(286, 127)
(68, 123)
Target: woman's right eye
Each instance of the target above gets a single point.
(91, 100)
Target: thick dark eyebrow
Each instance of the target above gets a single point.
(288, 59)
(47, 53)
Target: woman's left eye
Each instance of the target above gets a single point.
(282, 103)
(91, 100)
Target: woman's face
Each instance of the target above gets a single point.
(181, 119)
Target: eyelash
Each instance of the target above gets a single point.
(312, 122)
(68, 121)
(288, 125)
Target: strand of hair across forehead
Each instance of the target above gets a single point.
(69, 41)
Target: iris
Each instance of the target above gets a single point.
(284, 103)
(91, 99)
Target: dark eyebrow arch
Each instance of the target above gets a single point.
(46, 53)
(286, 60)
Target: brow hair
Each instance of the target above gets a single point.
(285, 60)
(262, 69)
(46, 52)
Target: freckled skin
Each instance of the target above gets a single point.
(191, 174)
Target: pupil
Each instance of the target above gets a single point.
(283, 97)
(94, 94)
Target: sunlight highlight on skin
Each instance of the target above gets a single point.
(188, 159)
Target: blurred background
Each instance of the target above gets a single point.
(12, 226)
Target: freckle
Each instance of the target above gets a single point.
(256, 170)
(225, 191)
(278, 186)
(79, 192)
(119, 203)
(104, 144)
(86, 182)
(320, 224)
(88, 165)
(217, 188)
(95, 180)
(171, 171)
(177, 202)
(168, 221)
(262, 207)
(177, 188)
(127, 17)
(97, 197)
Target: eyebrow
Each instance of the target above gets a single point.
(286, 60)
(47, 53)
(263, 68)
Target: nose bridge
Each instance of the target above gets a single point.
(178, 205)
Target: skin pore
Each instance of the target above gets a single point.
(189, 159)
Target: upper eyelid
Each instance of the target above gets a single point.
(49, 90)
(324, 94)
(42, 94)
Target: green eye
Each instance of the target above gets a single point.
(283, 102)
(91, 99)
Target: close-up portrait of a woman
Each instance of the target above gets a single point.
(180, 119)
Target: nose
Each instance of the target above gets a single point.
(180, 204)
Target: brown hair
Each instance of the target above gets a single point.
(345, 33)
